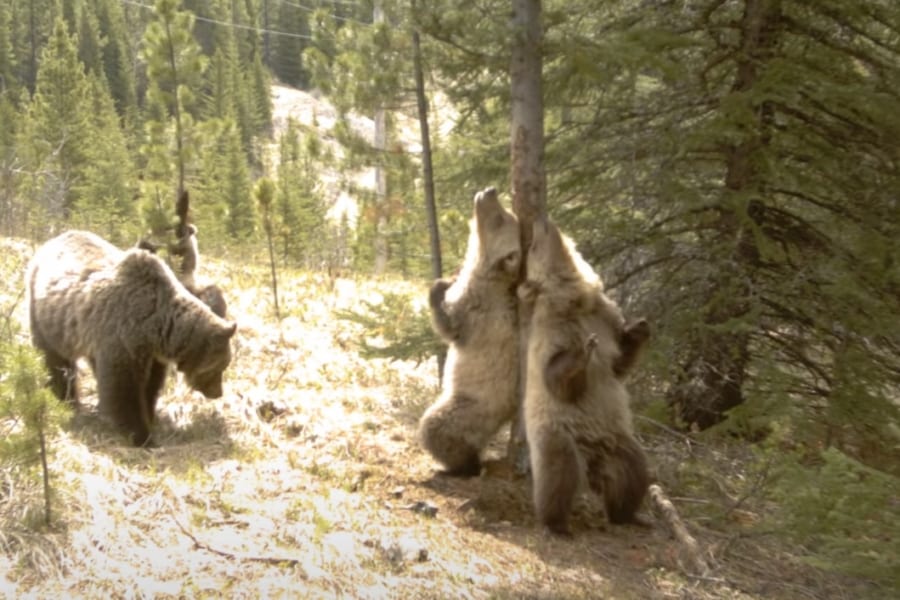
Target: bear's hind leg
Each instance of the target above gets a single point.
(621, 476)
(63, 376)
(449, 431)
(155, 382)
(120, 389)
(556, 473)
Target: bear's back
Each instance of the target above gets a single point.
(68, 258)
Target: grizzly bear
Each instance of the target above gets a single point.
(577, 417)
(476, 314)
(129, 316)
(187, 248)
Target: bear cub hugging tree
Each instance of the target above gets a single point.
(476, 314)
(129, 316)
(577, 417)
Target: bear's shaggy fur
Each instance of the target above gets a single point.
(577, 416)
(187, 248)
(129, 316)
(476, 314)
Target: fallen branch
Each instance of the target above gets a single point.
(269, 560)
(690, 549)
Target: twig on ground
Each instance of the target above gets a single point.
(669, 430)
(269, 560)
(678, 530)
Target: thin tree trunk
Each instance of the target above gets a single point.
(45, 470)
(266, 56)
(527, 177)
(274, 272)
(434, 235)
(380, 142)
(176, 111)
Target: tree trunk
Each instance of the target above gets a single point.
(712, 378)
(434, 234)
(380, 143)
(176, 111)
(527, 178)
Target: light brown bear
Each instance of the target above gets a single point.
(476, 314)
(129, 316)
(577, 417)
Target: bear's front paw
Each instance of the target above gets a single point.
(528, 291)
(591, 344)
(438, 291)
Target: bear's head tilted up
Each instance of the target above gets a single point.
(476, 314)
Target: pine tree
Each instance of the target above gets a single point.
(174, 67)
(57, 130)
(299, 207)
(106, 195)
(241, 213)
(287, 55)
(117, 59)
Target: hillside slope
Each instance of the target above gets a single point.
(305, 480)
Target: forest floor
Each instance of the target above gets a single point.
(305, 480)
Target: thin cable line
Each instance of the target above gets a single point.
(236, 25)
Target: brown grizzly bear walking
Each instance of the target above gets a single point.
(577, 416)
(129, 316)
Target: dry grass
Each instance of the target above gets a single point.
(305, 480)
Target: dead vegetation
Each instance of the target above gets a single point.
(305, 480)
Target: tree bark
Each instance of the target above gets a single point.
(712, 377)
(380, 142)
(527, 177)
(434, 234)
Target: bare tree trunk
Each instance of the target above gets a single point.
(267, 59)
(176, 111)
(380, 142)
(527, 177)
(434, 234)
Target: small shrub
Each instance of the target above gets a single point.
(29, 415)
(846, 514)
(394, 329)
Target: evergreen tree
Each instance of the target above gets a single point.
(29, 416)
(57, 131)
(299, 207)
(174, 67)
(90, 44)
(237, 187)
(106, 195)
(32, 22)
(118, 62)
(287, 55)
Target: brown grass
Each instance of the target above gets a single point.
(305, 480)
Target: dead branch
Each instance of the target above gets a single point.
(690, 549)
(242, 556)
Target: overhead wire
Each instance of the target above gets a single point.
(226, 24)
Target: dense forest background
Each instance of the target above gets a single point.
(732, 167)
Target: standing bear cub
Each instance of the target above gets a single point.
(577, 417)
(129, 316)
(476, 314)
